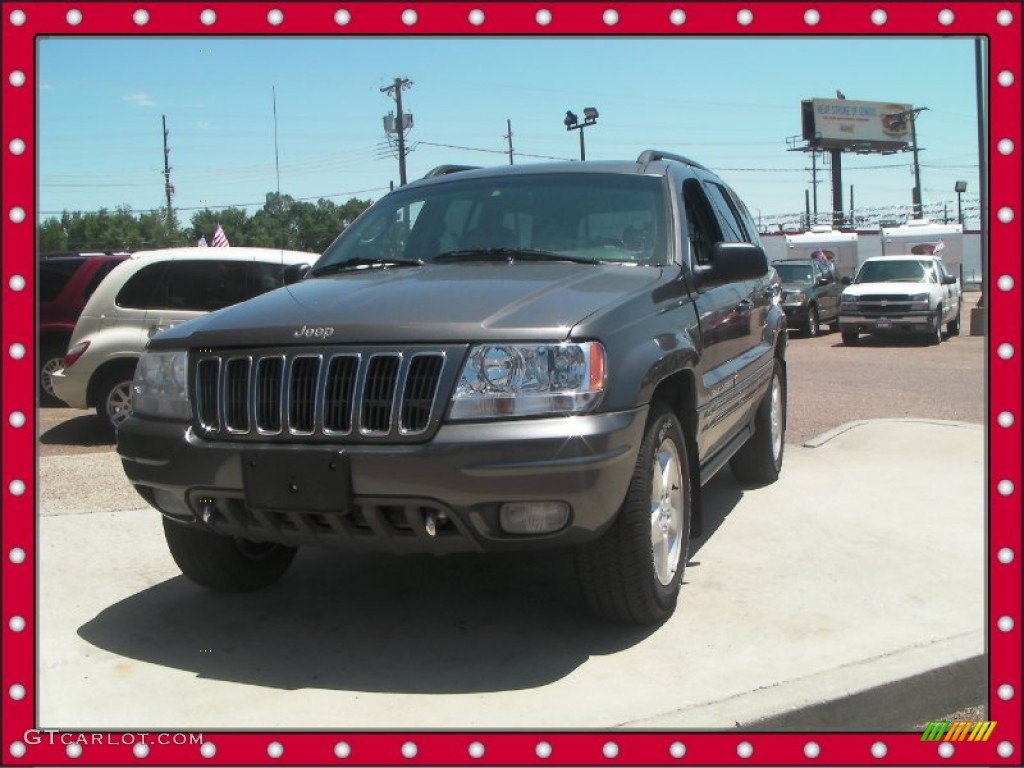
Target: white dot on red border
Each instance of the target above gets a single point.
(1005, 351)
(208, 749)
(1005, 487)
(74, 751)
(610, 750)
(16, 419)
(1005, 692)
(476, 17)
(1005, 623)
(1005, 555)
(17, 351)
(409, 17)
(16, 78)
(677, 16)
(1005, 419)
(275, 16)
(476, 750)
(610, 17)
(16, 692)
(946, 749)
(543, 17)
(1005, 282)
(811, 749)
(73, 17)
(141, 18)
(342, 17)
(1005, 146)
(677, 749)
(275, 749)
(17, 146)
(16, 556)
(17, 214)
(342, 750)
(879, 17)
(16, 283)
(745, 16)
(141, 750)
(1005, 749)
(17, 749)
(16, 487)
(811, 17)
(1004, 18)
(879, 750)
(543, 750)
(208, 17)
(17, 624)
(409, 750)
(1005, 214)
(946, 17)
(1005, 78)
(17, 17)
(745, 749)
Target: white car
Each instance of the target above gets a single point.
(151, 291)
(900, 294)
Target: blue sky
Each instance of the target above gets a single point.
(730, 103)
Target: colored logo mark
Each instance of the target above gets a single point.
(958, 730)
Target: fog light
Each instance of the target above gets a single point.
(530, 517)
(171, 504)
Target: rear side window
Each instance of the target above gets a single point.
(102, 271)
(725, 211)
(141, 289)
(54, 275)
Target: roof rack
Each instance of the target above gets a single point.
(444, 170)
(650, 155)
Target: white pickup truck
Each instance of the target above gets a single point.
(900, 294)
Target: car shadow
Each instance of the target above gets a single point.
(87, 430)
(893, 340)
(381, 623)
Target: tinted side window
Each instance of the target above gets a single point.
(102, 271)
(203, 286)
(141, 289)
(732, 230)
(702, 225)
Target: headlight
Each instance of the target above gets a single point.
(920, 301)
(919, 297)
(505, 380)
(159, 387)
(847, 299)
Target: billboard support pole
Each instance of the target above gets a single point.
(837, 188)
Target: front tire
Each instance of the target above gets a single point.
(936, 335)
(634, 571)
(811, 327)
(225, 563)
(759, 461)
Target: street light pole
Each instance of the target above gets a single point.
(960, 187)
(572, 123)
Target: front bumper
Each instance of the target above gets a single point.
(796, 314)
(918, 321)
(461, 478)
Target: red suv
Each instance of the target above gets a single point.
(65, 284)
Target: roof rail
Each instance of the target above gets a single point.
(444, 170)
(650, 155)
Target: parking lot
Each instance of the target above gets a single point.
(792, 596)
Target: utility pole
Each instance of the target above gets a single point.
(918, 212)
(395, 91)
(509, 137)
(168, 187)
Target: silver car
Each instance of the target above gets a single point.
(151, 291)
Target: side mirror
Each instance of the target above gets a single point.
(949, 279)
(823, 281)
(847, 281)
(731, 263)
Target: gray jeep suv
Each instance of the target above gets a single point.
(551, 355)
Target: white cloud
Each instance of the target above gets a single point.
(141, 99)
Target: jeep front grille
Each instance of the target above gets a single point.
(358, 396)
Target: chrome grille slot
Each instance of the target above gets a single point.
(420, 390)
(269, 394)
(379, 394)
(322, 394)
(207, 387)
(236, 390)
(339, 394)
(302, 388)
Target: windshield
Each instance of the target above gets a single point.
(579, 217)
(903, 271)
(794, 273)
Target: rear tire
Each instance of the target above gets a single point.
(953, 326)
(759, 461)
(51, 360)
(634, 571)
(114, 402)
(225, 563)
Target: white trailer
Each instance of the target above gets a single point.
(822, 241)
(924, 237)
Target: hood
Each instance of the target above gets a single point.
(428, 304)
(887, 289)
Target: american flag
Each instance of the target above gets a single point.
(202, 242)
(220, 240)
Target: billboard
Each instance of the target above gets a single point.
(865, 126)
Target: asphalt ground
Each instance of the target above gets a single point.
(500, 642)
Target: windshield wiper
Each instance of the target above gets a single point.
(510, 255)
(341, 266)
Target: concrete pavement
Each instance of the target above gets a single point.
(835, 598)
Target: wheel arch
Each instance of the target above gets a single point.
(678, 391)
(119, 365)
